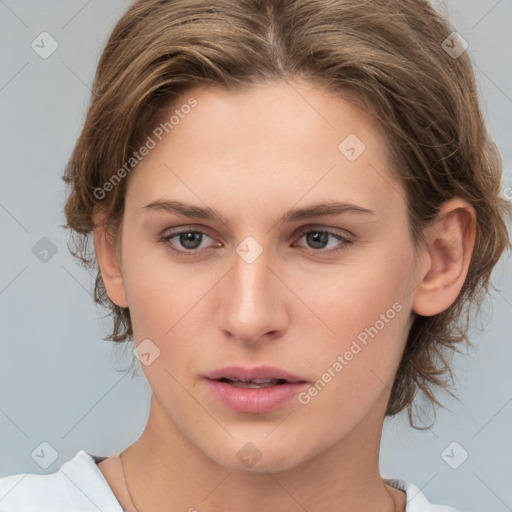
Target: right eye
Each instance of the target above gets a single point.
(188, 240)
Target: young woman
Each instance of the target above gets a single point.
(293, 205)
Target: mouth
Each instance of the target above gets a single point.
(253, 390)
(259, 376)
(253, 384)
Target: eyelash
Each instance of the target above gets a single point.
(193, 252)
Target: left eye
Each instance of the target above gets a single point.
(318, 239)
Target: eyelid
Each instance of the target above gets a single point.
(345, 233)
(172, 231)
(168, 232)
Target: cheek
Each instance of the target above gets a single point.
(152, 307)
(366, 307)
(167, 306)
(354, 369)
(158, 292)
(357, 293)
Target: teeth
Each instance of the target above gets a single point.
(255, 383)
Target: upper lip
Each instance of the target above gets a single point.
(255, 373)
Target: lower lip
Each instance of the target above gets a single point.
(254, 400)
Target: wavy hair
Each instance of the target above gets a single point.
(391, 56)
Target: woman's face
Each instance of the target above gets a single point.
(267, 276)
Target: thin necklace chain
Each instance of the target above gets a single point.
(395, 506)
(126, 482)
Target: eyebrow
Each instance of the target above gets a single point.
(331, 208)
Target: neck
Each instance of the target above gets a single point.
(165, 471)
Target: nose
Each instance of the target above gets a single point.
(253, 305)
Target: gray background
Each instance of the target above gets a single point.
(62, 384)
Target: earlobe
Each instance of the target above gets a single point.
(108, 261)
(449, 242)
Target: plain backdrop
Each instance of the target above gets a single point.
(61, 384)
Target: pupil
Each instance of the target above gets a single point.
(318, 238)
(188, 238)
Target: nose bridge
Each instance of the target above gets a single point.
(251, 304)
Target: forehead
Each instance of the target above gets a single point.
(278, 114)
(268, 141)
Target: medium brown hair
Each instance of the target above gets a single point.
(391, 55)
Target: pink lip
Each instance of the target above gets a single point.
(257, 372)
(253, 400)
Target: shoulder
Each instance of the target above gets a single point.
(416, 500)
(77, 485)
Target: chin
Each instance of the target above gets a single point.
(258, 456)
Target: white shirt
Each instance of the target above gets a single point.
(79, 486)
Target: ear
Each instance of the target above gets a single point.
(449, 244)
(108, 257)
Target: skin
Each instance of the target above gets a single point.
(252, 155)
